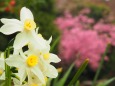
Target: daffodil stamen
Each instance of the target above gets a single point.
(32, 60)
(29, 24)
(46, 56)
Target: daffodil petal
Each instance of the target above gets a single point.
(38, 42)
(14, 60)
(10, 28)
(51, 71)
(16, 81)
(2, 63)
(20, 41)
(13, 21)
(16, 51)
(54, 58)
(2, 55)
(22, 74)
(2, 77)
(38, 73)
(50, 39)
(26, 14)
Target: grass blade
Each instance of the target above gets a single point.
(79, 72)
(62, 81)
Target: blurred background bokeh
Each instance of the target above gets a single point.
(84, 29)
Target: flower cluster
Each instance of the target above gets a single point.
(33, 65)
(83, 38)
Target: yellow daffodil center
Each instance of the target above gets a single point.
(46, 56)
(1, 72)
(32, 60)
(29, 24)
(33, 85)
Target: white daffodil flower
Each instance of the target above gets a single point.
(25, 64)
(2, 67)
(45, 59)
(26, 26)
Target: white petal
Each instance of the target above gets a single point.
(14, 60)
(13, 21)
(20, 41)
(22, 74)
(16, 81)
(54, 58)
(38, 73)
(2, 63)
(2, 77)
(37, 30)
(16, 51)
(10, 28)
(2, 55)
(32, 78)
(22, 54)
(38, 42)
(51, 71)
(26, 14)
(49, 41)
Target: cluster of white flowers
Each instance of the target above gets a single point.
(33, 65)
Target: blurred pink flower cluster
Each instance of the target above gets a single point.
(83, 38)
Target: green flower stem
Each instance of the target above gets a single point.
(100, 66)
(7, 69)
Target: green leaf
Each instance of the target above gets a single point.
(106, 83)
(54, 44)
(100, 66)
(79, 72)
(56, 79)
(49, 82)
(62, 81)
(77, 83)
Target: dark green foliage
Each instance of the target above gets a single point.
(98, 11)
(3, 42)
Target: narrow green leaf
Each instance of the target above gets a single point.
(77, 83)
(62, 81)
(79, 72)
(49, 82)
(106, 83)
(54, 44)
(100, 66)
(56, 79)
